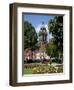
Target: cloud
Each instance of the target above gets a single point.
(49, 36)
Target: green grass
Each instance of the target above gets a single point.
(28, 71)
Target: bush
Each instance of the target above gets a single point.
(60, 69)
(44, 69)
(32, 65)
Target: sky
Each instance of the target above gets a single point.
(37, 19)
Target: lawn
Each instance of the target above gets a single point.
(28, 70)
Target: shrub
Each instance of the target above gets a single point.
(60, 69)
(44, 69)
(32, 65)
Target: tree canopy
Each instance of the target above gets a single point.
(55, 27)
(30, 36)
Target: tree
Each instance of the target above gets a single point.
(55, 27)
(51, 49)
(30, 36)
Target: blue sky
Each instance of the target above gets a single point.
(36, 19)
